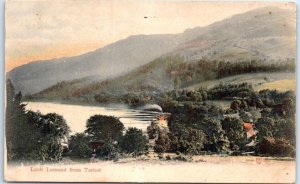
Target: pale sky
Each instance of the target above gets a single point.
(46, 29)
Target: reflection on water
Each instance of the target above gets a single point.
(77, 115)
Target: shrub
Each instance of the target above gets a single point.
(109, 150)
(79, 146)
(184, 158)
(276, 147)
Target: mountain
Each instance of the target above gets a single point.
(148, 77)
(266, 34)
(107, 62)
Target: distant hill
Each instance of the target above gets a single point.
(107, 62)
(149, 77)
(265, 34)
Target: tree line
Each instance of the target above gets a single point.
(104, 138)
(188, 73)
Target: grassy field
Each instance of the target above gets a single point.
(280, 85)
(278, 80)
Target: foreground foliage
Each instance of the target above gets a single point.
(32, 135)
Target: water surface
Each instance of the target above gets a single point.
(77, 115)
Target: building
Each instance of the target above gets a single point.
(249, 129)
(162, 121)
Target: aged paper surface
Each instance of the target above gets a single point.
(150, 91)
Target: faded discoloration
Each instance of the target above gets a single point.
(206, 169)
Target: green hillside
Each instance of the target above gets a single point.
(168, 73)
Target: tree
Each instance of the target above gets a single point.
(22, 140)
(288, 107)
(15, 123)
(265, 126)
(187, 140)
(109, 150)
(162, 144)
(177, 82)
(50, 131)
(102, 128)
(106, 129)
(153, 130)
(55, 125)
(235, 105)
(216, 140)
(134, 142)
(255, 101)
(31, 135)
(79, 146)
(234, 131)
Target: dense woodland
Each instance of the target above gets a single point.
(271, 113)
(187, 73)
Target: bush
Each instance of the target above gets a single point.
(79, 146)
(109, 150)
(276, 147)
(184, 158)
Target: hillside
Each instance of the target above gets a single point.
(107, 62)
(266, 35)
(168, 73)
(151, 76)
(258, 80)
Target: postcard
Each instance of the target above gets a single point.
(150, 91)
